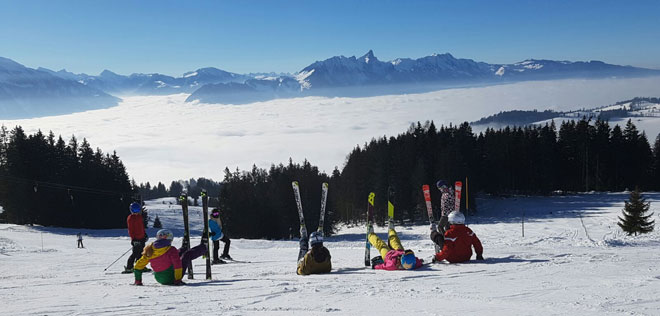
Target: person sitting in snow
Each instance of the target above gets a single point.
(215, 230)
(168, 263)
(316, 260)
(394, 256)
(457, 242)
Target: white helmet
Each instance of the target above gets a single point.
(164, 234)
(456, 217)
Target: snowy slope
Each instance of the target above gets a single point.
(573, 260)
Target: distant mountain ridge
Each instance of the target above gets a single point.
(26, 92)
(152, 84)
(367, 75)
(31, 89)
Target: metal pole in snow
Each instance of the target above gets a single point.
(523, 223)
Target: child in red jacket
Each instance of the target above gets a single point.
(457, 242)
(135, 224)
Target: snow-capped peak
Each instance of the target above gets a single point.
(369, 56)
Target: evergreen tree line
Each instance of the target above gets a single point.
(45, 180)
(192, 186)
(260, 203)
(582, 155)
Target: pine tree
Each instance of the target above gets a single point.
(157, 223)
(634, 220)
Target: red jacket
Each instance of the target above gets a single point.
(457, 247)
(135, 226)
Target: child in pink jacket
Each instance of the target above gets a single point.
(394, 257)
(168, 264)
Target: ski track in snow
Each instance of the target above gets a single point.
(556, 269)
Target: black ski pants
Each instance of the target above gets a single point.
(138, 246)
(216, 247)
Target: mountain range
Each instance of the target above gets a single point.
(367, 75)
(27, 92)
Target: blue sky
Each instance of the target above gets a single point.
(173, 37)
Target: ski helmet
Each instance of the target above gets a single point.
(164, 234)
(315, 238)
(456, 217)
(135, 207)
(408, 260)
(442, 185)
(215, 212)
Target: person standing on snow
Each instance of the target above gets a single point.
(457, 242)
(135, 225)
(168, 263)
(392, 257)
(215, 230)
(446, 204)
(80, 243)
(316, 260)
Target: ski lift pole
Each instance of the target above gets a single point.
(523, 223)
(129, 249)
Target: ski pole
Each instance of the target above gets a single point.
(129, 249)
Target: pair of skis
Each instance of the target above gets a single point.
(185, 245)
(205, 233)
(458, 188)
(370, 220)
(301, 216)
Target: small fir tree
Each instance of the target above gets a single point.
(634, 220)
(157, 223)
(145, 217)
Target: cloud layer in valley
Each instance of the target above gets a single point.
(163, 138)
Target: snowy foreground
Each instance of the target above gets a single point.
(573, 260)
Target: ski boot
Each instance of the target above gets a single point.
(127, 270)
(218, 261)
(226, 257)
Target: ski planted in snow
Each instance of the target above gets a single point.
(370, 228)
(324, 198)
(458, 187)
(390, 207)
(429, 210)
(186, 228)
(205, 232)
(296, 195)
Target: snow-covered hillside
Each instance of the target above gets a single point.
(573, 260)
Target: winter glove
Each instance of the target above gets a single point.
(376, 261)
(480, 257)
(433, 227)
(212, 234)
(137, 282)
